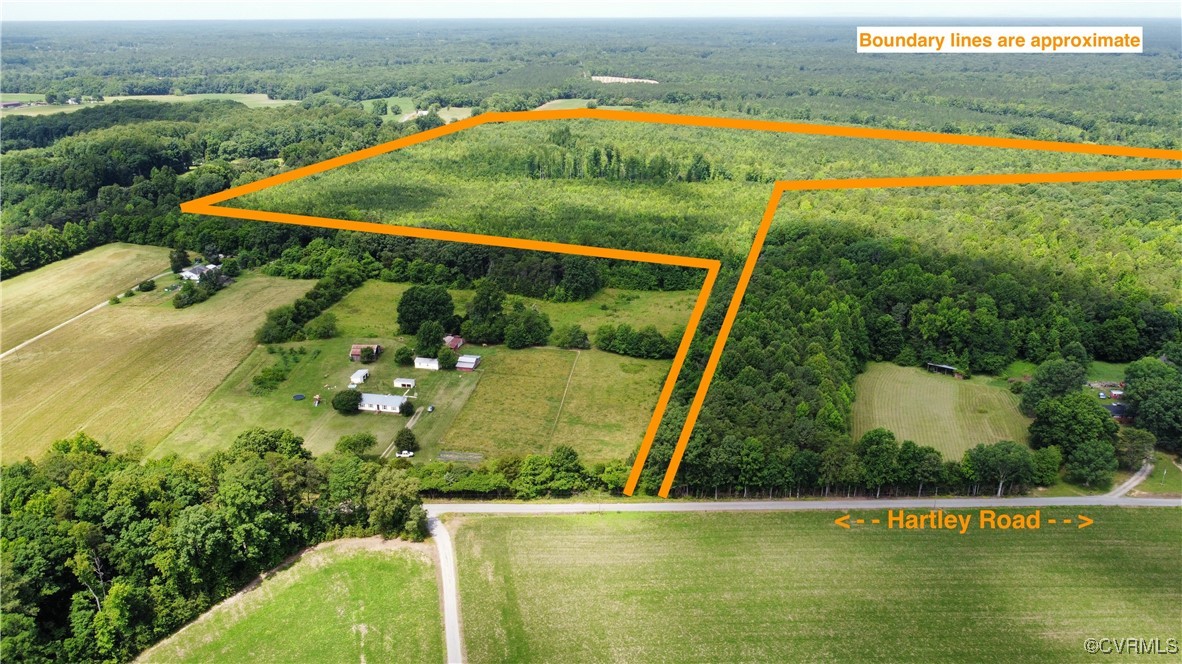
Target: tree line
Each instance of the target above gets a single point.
(105, 554)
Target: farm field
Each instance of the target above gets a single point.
(36, 301)
(405, 103)
(250, 100)
(134, 370)
(510, 405)
(948, 414)
(789, 587)
(453, 113)
(344, 601)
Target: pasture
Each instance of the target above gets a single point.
(344, 601)
(131, 372)
(792, 587)
(931, 409)
(36, 301)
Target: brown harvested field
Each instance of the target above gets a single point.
(131, 372)
(931, 409)
(34, 302)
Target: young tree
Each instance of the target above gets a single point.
(405, 440)
(1047, 462)
(448, 359)
(346, 401)
(1092, 462)
(179, 260)
(404, 356)
(406, 409)
(571, 336)
(429, 339)
(356, 443)
(879, 452)
(1134, 447)
(368, 355)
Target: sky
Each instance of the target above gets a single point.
(122, 10)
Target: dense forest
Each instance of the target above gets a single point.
(767, 68)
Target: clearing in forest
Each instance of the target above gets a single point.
(949, 414)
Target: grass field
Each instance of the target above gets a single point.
(950, 415)
(133, 371)
(1106, 372)
(345, 601)
(559, 104)
(509, 406)
(405, 103)
(250, 100)
(36, 301)
(793, 587)
(453, 113)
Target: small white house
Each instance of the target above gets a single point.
(427, 363)
(468, 362)
(380, 403)
(359, 376)
(404, 383)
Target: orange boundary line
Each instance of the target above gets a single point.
(208, 205)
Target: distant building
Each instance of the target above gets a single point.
(453, 341)
(11, 104)
(194, 273)
(359, 376)
(380, 403)
(468, 362)
(355, 351)
(404, 383)
(945, 369)
(427, 363)
(1120, 412)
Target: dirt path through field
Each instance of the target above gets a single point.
(59, 326)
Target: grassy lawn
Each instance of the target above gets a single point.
(1166, 479)
(344, 601)
(34, 302)
(405, 103)
(792, 587)
(931, 409)
(1106, 372)
(1065, 488)
(514, 407)
(132, 372)
(608, 405)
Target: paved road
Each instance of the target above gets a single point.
(435, 509)
(1132, 481)
(449, 588)
(59, 326)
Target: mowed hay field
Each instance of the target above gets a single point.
(36, 301)
(131, 372)
(793, 587)
(932, 409)
(345, 601)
